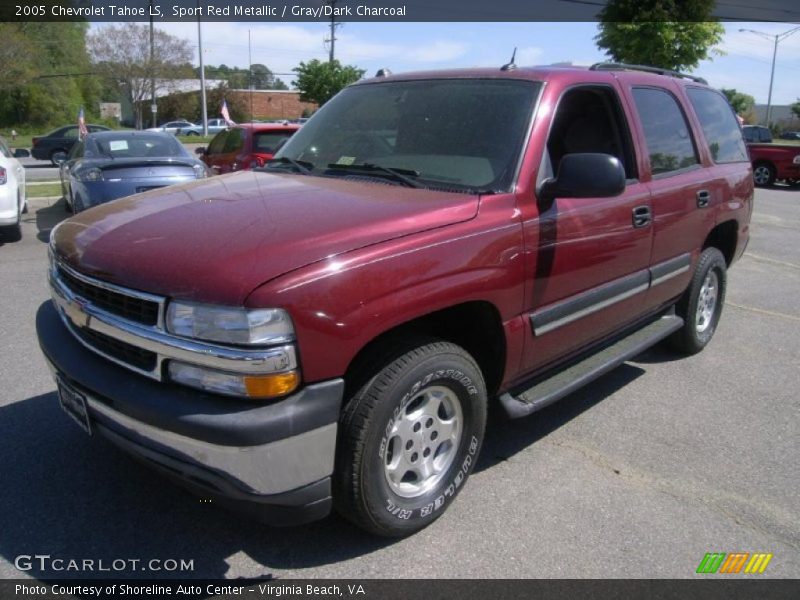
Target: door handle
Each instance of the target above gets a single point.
(703, 198)
(642, 216)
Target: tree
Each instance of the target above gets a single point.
(795, 108)
(741, 102)
(46, 73)
(320, 81)
(264, 79)
(122, 52)
(670, 34)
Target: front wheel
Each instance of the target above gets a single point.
(409, 438)
(701, 305)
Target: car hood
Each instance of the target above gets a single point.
(218, 239)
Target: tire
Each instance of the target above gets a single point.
(395, 471)
(77, 205)
(763, 174)
(53, 153)
(189, 133)
(701, 305)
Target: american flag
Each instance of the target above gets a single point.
(225, 114)
(82, 130)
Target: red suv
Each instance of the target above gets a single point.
(246, 146)
(330, 330)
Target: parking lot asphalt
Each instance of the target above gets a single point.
(638, 475)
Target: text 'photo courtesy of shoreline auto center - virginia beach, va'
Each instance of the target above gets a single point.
(391, 298)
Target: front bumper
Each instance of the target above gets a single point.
(273, 461)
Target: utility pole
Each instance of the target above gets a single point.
(334, 25)
(203, 107)
(775, 39)
(153, 106)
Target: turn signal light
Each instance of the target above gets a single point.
(271, 386)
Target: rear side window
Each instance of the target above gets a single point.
(669, 141)
(719, 125)
(268, 142)
(218, 143)
(234, 141)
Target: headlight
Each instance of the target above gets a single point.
(200, 171)
(234, 384)
(230, 325)
(89, 175)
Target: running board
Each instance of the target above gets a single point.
(547, 391)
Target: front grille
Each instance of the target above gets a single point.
(122, 305)
(144, 360)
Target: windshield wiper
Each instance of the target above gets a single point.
(402, 175)
(302, 166)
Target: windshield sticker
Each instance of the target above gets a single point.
(116, 145)
(346, 160)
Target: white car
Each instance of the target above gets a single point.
(173, 127)
(12, 193)
(214, 127)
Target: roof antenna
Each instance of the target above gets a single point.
(510, 66)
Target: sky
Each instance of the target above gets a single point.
(421, 46)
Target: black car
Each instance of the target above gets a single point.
(59, 140)
(790, 135)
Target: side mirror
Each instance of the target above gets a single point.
(586, 175)
(200, 150)
(59, 157)
(21, 153)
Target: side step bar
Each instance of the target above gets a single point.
(562, 383)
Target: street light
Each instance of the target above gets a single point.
(776, 38)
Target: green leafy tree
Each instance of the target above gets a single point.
(671, 34)
(742, 103)
(320, 81)
(262, 77)
(795, 108)
(46, 74)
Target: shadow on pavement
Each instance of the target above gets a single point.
(48, 217)
(73, 496)
(505, 438)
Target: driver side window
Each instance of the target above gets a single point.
(589, 119)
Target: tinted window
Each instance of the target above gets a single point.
(234, 141)
(719, 125)
(77, 151)
(267, 142)
(669, 142)
(72, 132)
(138, 146)
(218, 143)
(452, 133)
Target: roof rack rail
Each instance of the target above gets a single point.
(610, 66)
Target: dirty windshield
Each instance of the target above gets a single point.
(453, 134)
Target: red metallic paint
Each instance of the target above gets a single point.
(351, 260)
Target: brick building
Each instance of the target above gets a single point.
(273, 104)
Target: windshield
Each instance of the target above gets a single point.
(140, 145)
(456, 134)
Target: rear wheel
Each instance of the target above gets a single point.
(701, 305)
(763, 174)
(409, 438)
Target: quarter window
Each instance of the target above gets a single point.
(719, 125)
(669, 141)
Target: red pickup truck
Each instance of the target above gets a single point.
(773, 162)
(330, 330)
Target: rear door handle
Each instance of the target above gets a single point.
(642, 216)
(703, 198)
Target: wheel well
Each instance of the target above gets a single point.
(723, 237)
(475, 326)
